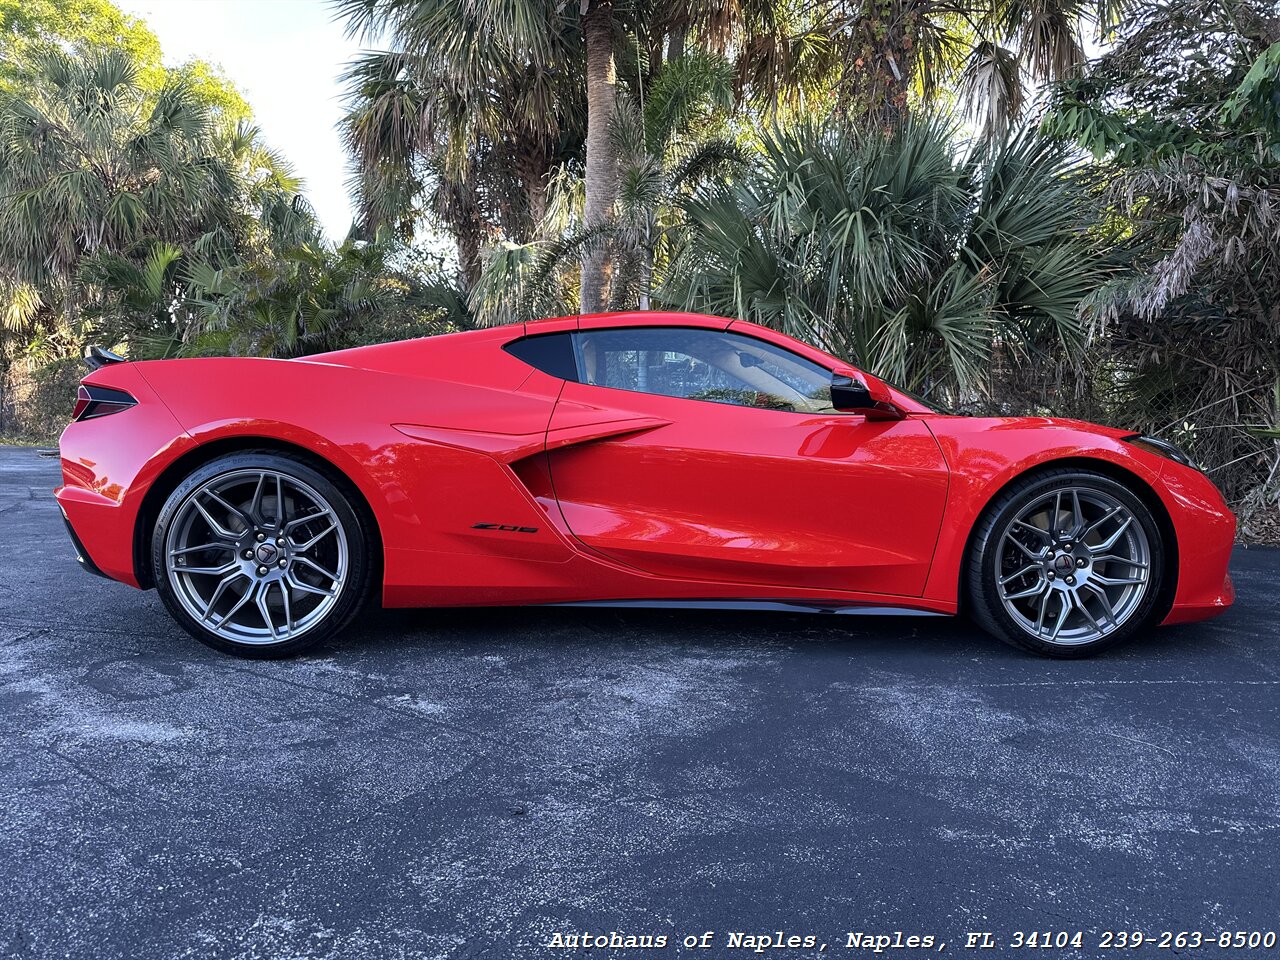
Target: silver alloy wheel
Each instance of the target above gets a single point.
(256, 556)
(1073, 566)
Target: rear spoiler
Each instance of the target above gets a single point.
(96, 357)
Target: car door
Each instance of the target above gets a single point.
(709, 454)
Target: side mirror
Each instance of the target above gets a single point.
(847, 394)
(871, 399)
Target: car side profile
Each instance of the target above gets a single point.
(634, 459)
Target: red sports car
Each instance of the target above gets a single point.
(634, 459)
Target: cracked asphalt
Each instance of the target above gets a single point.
(469, 783)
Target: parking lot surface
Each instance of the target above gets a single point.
(469, 783)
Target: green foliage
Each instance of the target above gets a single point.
(1182, 112)
(306, 299)
(87, 28)
(316, 298)
(902, 253)
(1255, 104)
(213, 88)
(105, 187)
(80, 28)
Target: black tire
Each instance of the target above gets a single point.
(983, 565)
(359, 571)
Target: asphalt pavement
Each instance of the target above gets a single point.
(471, 783)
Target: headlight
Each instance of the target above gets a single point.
(1162, 448)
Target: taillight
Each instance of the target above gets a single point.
(94, 402)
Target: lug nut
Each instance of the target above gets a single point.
(1068, 546)
(262, 571)
(1080, 562)
(248, 554)
(280, 541)
(283, 564)
(261, 537)
(1071, 581)
(1050, 575)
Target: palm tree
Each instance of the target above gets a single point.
(602, 156)
(92, 163)
(465, 118)
(900, 252)
(475, 90)
(88, 162)
(891, 52)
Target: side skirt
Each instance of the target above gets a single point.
(785, 606)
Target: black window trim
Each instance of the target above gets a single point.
(577, 359)
(573, 353)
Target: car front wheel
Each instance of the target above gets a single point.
(260, 555)
(1066, 563)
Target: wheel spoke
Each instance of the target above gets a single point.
(235, 607)
(319, 569)
(288, 608)
(1057, 511)
(231, 510)
(279, 502)
(1110, 542)
(223, 584)
(1062, 619)
(1014, 576)
(255, 505)
(1029, 592)
(1044, 606)
(1038, 531)
(308, 518)
(183, 551)
(1117, 581)
(1108, 612)
(260, 597)
(1077, 513)
(1079, 602)
(1101, 520)
(1026, 551)
(1112, 558)
(308, 588)
(210, 571)
(218, 529)
(331, 528)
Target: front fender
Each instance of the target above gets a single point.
(985, 455)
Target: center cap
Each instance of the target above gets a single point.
(1063, 563)
(266, 553)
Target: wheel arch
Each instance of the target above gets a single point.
(182, 466)
(1135, 484)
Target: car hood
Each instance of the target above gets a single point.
(1002, 424)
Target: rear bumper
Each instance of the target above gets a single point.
(82, 555)
(107, 525)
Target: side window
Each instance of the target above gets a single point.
(708, 365)
(551, 353)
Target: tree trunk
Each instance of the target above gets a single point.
(882, 68)
(602, 158)
(468, 256)
(675, 42)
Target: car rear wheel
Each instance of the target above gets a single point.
(260, 555)
(1066, 563)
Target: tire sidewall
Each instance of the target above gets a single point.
(354, 588)
(988, 559)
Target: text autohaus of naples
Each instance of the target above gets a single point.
(738, 940)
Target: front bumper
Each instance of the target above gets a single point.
(1205, 529)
